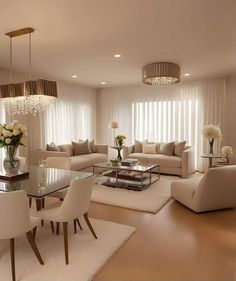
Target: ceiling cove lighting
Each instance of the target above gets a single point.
(31, 96)
(161, 73)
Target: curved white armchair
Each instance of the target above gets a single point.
(15, 221)
(75, 205)
(215, 190)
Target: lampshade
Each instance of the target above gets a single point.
(114, 125)
(161, 73)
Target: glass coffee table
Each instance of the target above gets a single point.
(137, 177)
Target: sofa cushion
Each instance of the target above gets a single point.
(167, 148)
(86, 160)
(91, 145)
(66, 148)
(141, 157)
(149, 148)
(80, 162)
(80, 148)
(52, 147)
(179, 148)
(165, 161)
(138, 146)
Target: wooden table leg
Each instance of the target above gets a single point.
(39, 207)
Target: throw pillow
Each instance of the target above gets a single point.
(149, 148)
(81, 148)
(179, 148)
(138, 146)
(52, 147)
(91, 145)
(66, 148)
(167, 148)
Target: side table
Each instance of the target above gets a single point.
(210, 158)
(118, 148)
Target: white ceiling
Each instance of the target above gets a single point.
(80, 37)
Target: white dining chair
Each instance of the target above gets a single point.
(16, 221)
(75, 204)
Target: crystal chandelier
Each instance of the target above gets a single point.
(31, 96)
(161, 73)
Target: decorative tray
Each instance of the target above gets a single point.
(13, 177)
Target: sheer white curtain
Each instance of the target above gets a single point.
(168, 113)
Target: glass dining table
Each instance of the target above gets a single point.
(42, 181)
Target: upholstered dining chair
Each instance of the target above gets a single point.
(213, 191)
(75, 204)
(16, 221)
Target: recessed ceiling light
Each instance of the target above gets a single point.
(103, 83)
(74, 76)
(186, 74)
(117, 55)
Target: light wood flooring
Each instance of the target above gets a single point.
(173, 245)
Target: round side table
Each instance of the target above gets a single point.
(118, 148)
(210, 158)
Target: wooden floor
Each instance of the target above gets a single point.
(173, 245)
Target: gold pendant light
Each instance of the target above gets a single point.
(31, 96)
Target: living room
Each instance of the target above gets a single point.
(123, 167)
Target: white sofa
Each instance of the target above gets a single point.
(182, 166)
(215, 190)
(78, 162)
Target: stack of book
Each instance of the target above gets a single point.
(129, 162)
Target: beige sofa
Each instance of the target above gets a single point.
(182, 166)
(215, 190)
(79, 162)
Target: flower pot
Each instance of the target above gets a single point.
(11, 163)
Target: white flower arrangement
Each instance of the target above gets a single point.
(13, 134)
(227, 151)
(211, 132)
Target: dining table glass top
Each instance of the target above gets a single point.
(43, 181)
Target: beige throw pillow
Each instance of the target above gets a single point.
(179, 148)
(52, 147)
(81, 148)
(167, 148)
(66, 148)
(91, 145)
(138, 146)
(149, 148)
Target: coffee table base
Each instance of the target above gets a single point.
(128, 184)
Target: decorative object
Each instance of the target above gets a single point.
(118, 148)
(120, 140)
(227, 151)
(115, 162)
(30, 96)
(11, 136)
(211, 132)
(114, 126)
(161, 73)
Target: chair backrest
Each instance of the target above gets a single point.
(59, 162)
(77, 199)
(14, 214)
(217, 189)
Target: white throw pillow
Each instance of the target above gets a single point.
(149, 148)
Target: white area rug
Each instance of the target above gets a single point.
(86, 255)
(150, 200)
